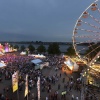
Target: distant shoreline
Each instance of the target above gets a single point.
(44, 43)
(37, 42)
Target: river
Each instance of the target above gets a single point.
(63, 48)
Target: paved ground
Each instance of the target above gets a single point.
(46, 72)
(53, 72)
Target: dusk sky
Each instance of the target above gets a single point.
(39, 20)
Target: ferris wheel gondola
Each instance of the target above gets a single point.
(86, 35)
(94, 7)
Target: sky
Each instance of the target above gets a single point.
(39, 20)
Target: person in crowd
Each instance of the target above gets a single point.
(50, 84)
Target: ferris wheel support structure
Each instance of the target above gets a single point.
(84, 27)
(74, 42)
(94, 59)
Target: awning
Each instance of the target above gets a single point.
(71, 65)
(36, 61)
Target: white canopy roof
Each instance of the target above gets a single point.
(23, 53)
(2, 65)
(36, 61)
(37, 55)
(71, 65)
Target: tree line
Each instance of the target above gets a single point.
(53, 48)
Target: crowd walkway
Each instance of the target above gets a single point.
(54, 85)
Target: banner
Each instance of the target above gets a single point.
(15, 81)
(38, 88)
(26, 86)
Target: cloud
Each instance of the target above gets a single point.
(46, 20)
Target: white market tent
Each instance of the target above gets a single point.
(23, 53)
(37, 55)
(39, 64)
(36, 61)
(2, 65)
(40, 56)
(71, 65)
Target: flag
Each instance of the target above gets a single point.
(15, 81)
(26, 86)
(38, 88)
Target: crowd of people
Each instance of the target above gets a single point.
(54, 86)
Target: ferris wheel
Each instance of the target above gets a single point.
(86, 35)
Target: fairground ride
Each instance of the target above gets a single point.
(86, 40)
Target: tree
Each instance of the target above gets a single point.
(70, 51)
(16, 47)
(54, 49)
(31, 48)
(22, 48)
(11, 45)
(41, 49)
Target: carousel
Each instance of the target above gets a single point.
(6, 48)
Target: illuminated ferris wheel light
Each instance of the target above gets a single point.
(88, 69)
(86, 33)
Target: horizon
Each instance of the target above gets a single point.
(44, 20)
